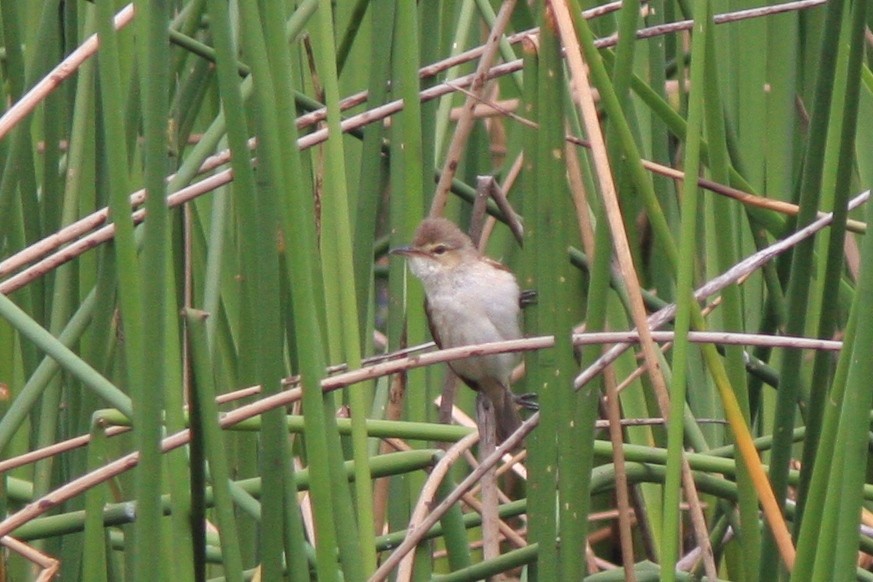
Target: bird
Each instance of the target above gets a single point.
(469, 299)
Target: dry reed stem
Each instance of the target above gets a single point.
(809, 3)
(429, 492)
(457, 493)
(99, 217)
(403, 363)
(24, 106)
(584, 100)
(729, 277)
(49, 566)
(465, 123)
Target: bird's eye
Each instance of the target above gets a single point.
(439, 249)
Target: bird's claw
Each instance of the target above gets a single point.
(527, 401)
(527, 297)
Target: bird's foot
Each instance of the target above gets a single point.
(527, 297)
(527, 401)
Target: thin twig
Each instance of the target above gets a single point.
(24, 106)
(467, 120)
(405, 359)
(429, 491)
(729, 277)
(584, 100)
(54, 449)
(98, 218)
(415, 536)
(622, 492)
(746, 198)
(49, 565)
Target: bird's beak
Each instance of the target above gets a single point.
(403, 251)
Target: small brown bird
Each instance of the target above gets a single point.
(469, 299)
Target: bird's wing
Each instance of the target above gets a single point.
(431, 326)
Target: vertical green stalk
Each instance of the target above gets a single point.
(454, 532)
(94, 566)
(280, 167)
(662, 279)
(780, 118)
(577, 411)
(622, 70)
(684, 293)
(528, 274)
(349, 537)
(724, 222)
(548, 373)
(588, 406)
(53, 130)
(18, 159)
(356, 18)
(823, 444)
(430, 17)
(843, 503)
(833, 272)
(577, 414)
(148, 396)
(178, 476)
(408, 175)
(309, 351)
(203, 405)
(215, 244)
(339, 285)
(801, 269)
(261, 322)
(343, 526)
(747, 103)
(373, 172)
(130, 294)
(372, 178)
(407, 323)
(41, 56)
(781, 160)
(232, 118)
(461, 30)
(64, 291)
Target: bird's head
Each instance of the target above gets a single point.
(438, 247)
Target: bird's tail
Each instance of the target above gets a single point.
(506, 414)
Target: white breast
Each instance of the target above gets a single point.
(474, 305)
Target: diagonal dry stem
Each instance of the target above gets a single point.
(584, 99)
(98, 219)
(465, 123)
(429, 492)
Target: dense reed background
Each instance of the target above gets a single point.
(194, 279)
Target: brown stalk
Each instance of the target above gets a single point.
(457, 493)
(465, 123)
(429, 493)
(585, 102)
(622, 490)
(729, 277)
(21, 108)
(282, 399)
(49, 566)
(99, 218)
